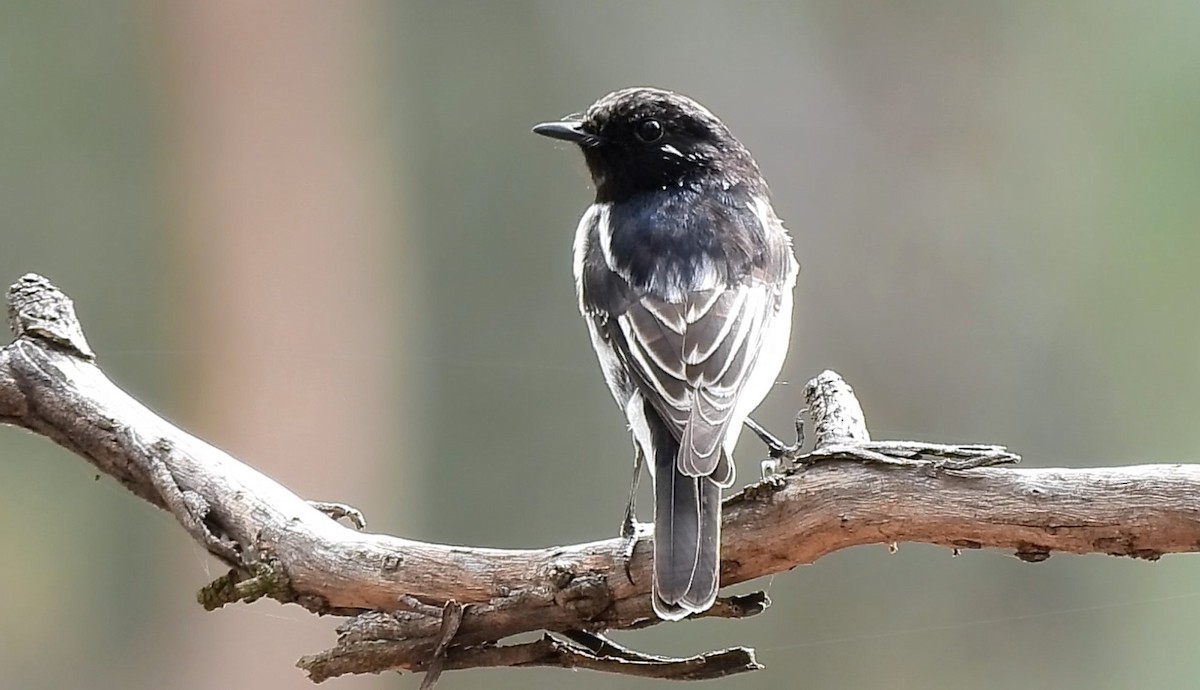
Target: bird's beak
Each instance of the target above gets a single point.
(566, 130)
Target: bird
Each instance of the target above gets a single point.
(684, 276)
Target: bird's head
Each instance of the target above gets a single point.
(642, 139)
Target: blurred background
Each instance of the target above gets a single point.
(320, 236)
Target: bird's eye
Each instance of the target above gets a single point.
(649, 130)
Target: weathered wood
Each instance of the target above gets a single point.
(850, 491)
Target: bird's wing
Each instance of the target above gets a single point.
(691, 358)
(687, 349)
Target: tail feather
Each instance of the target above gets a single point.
(707, 575)
(687, 530)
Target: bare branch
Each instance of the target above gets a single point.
(849, 491)
(550, 652)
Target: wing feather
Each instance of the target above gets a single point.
(689, 351)
(691, 358)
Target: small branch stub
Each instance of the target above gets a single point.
(838, 419)
(38, 309)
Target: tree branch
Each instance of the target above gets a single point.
(419, 606)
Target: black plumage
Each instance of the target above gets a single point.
(684, 275)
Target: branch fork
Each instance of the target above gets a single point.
(431, 608)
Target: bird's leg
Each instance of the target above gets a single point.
(782, 457)
(629, 526)
(775, 447)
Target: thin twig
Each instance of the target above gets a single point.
(452, 614)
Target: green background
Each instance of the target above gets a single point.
(996, 206)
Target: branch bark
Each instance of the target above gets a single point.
(417, 606)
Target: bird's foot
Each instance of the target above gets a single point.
(629, 523)
(782, 457)
(631, 532)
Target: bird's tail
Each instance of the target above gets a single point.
(687, 531)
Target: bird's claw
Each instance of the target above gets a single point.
(771, 474)
(629, 524)
(782, 456)
(631, 532)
